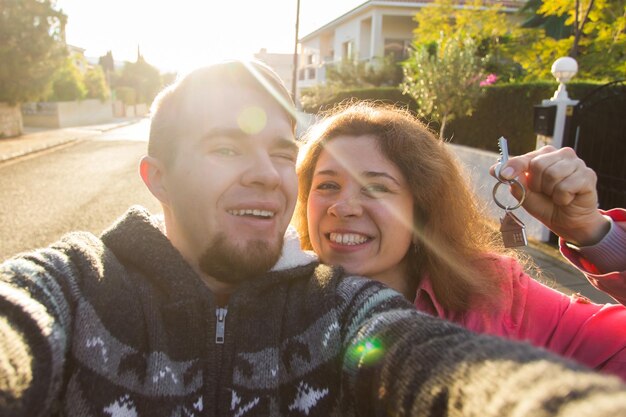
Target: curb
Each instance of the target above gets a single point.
(76, 137)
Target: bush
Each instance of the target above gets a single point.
(67, 83)
(126, 95)
(507, 110)
(95, 84)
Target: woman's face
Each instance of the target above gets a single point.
(360, 210)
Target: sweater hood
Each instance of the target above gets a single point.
(292, 255)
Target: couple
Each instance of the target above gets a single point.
(209, 313)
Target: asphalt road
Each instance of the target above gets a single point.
(83, 186)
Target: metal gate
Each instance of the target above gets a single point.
(597, 131)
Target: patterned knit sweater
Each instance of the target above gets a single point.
(122, 326)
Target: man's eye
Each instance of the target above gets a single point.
(286, 156)
(225, 151)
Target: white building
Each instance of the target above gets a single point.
(372, 30)
(281, 63)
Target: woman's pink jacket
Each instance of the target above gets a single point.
(572, 326)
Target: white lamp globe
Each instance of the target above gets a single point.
(564, 69)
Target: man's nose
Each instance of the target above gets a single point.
(346, 207)
(262, 172)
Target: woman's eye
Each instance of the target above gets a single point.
(327, 186)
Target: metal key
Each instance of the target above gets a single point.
(512, 229)
(504, 157)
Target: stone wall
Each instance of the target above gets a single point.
(10, 120)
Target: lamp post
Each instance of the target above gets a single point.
(294, 81)
(563, 70)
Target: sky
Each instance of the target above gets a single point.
(180, 35)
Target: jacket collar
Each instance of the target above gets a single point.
(137, 239)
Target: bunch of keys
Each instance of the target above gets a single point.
(511, 227)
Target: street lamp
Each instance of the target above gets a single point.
(563, 70)
(562, 107)
(294, 81)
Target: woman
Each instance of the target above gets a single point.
(382, 197)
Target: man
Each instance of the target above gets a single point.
(210, 313)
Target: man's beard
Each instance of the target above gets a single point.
(230, 264)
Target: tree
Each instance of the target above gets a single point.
(485, 23)
(595, 35)
(553, 26)
(444, 78)
(31, 48)
(108, 67)
(95, 83)
(168, 78)
(107, 62)
(67, 83)
(143, 78)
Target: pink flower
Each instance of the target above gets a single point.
(491, 79)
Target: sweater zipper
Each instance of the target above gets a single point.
(220, 331)
(220, 325)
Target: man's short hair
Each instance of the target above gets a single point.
(179, 109)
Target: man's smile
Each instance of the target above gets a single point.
(266, 214)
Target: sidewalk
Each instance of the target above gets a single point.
(38, 139)
(557, 272)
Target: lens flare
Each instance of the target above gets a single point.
(252, 120)
(368, 351)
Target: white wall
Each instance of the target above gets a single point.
(348, 31)
(398, 27)
(67, 113)
(85, 112)
(365, 38)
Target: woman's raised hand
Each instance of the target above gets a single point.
(560, 192)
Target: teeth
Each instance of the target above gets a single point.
(348, 238)
(252, 212)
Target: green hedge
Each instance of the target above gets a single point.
(505, 110)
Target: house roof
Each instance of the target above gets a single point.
(509, 5)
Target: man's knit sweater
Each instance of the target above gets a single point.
(122, 326)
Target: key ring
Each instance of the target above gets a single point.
(510, 182)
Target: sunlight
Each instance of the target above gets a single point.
(183, 35)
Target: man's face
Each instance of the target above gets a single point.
(232, 186)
